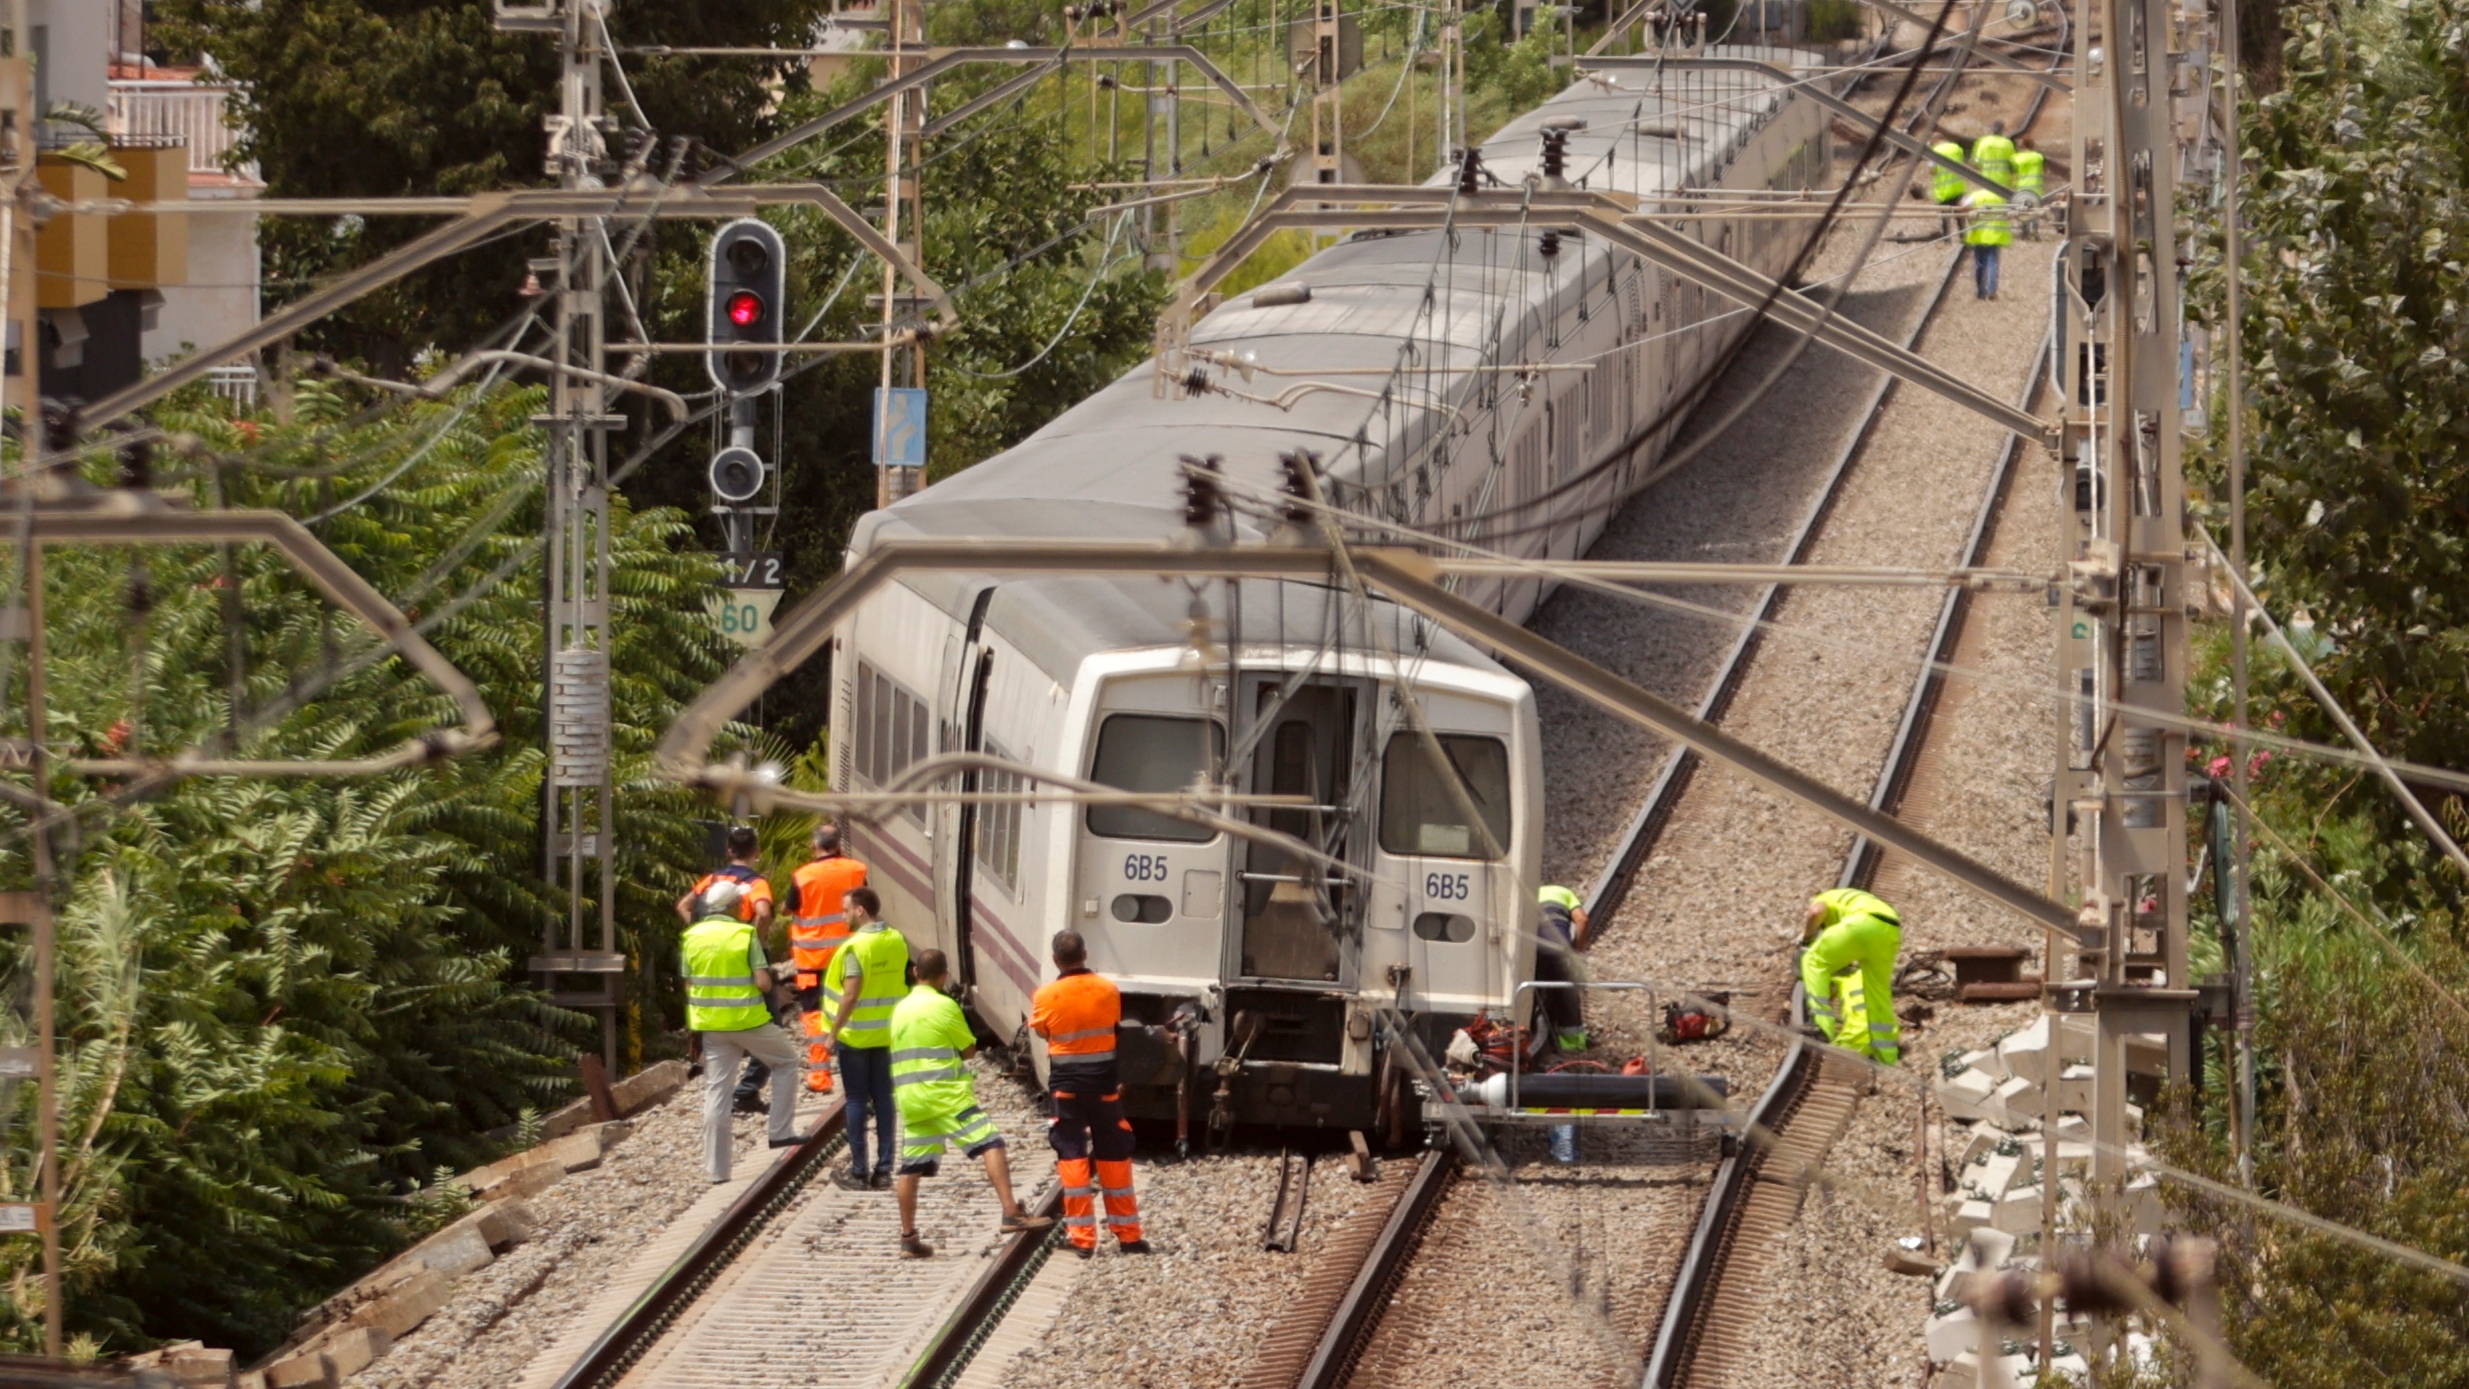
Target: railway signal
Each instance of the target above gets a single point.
(745, 298)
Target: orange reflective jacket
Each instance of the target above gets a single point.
(820, 924)
(1076, 1014)
(756, 887)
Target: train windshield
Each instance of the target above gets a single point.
(1421, 814)
(1152, 752)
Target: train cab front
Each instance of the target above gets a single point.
(1364, 894)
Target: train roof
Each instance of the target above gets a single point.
(1111, 466)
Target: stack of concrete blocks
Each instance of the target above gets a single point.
(343, 1335)
(1953, 1332)
(1997, 1101)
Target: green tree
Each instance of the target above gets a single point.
(2359, 411)
(2358, 303)
(287, 1002)
(390, 98)
(1052, 306)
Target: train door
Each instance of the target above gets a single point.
(1295, 912)
(959, 716)
(1443, 839)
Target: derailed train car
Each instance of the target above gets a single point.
(1299, 976)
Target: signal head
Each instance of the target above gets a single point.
(746, 297)
(737, 475)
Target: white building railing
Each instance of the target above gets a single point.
(153, 110)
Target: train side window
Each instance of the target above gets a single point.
(1419, 813)
(1152, 752)
(998, 823)
(892, 730)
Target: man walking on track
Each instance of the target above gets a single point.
(816, 930)
(1077, 1014)
(938, 1103)
(1847, 965)
(868, 978)
(726, 978)
(1992, 230)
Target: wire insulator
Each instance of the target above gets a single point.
(1469, 171)
(1299, 464)
(1196, 379)
(1201, 498)
(1549, 246)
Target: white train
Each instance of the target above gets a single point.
(1097, 678)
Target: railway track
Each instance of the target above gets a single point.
(746, 1300)
(753, 1268)
(1324, 1340)
(1711, 1321)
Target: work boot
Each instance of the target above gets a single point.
(1022, 1224)
(851, 1181)
(750, 1104)
(1135, 1246)
(881, 1181)
(1085, 1251)
(911, 1247)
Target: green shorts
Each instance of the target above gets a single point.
(923, 1138)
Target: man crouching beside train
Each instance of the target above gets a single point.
(1077, 1014)
(1849, 942)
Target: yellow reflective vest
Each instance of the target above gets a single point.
(1994, 155)
(720, 992)
(929, 1033)
(1946, 186)
(883, 955)
(1991, 225)
(2030, 172)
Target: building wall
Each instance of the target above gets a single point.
(221, 297)
(73, 50)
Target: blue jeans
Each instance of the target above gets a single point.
(866, 1088)
(1984, 270)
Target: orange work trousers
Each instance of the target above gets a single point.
(818, 1046)
(1087, 1127)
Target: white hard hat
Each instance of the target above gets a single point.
(720, 899)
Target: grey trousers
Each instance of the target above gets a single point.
(721, 1054)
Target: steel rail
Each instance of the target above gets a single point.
(1357, 1314)
(988, 1300)
(1701, 1267)
(642, 1324)
(1646, 827)
(1920, 710)
(1706, 1263)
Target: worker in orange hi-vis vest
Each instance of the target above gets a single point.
(1077, 1014)
(815, 933)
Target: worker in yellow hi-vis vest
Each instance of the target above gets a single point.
(1946, 186)
(1848, 931)
(1989, 235)
(2031, 185)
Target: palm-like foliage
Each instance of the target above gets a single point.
(285, 1002)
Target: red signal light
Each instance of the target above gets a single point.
(745, 308)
